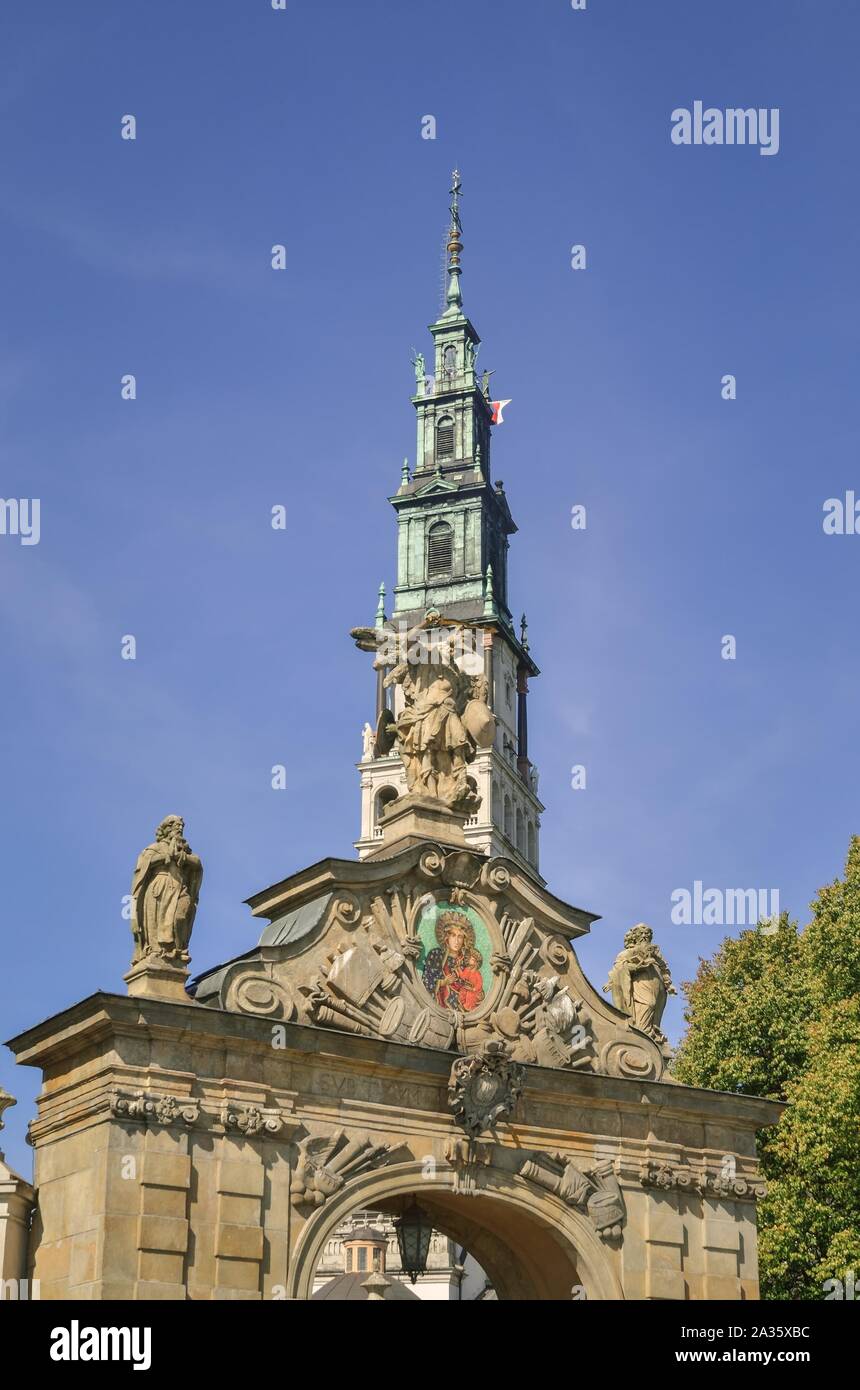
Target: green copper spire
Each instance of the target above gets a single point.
(453, 524)
(454, 297)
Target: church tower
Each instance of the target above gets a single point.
(453, 529)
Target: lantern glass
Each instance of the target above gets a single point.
(414, 1230)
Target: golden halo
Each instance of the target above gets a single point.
(459, 920)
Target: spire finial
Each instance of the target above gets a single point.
(455, 246)
(524, 633)
(380, 607)
(404, 473)
(489, 595)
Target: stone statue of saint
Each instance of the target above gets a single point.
(431, 736)
(420, 367)
(164, 894)
(640, 982)
(445, 717)
(368, 738)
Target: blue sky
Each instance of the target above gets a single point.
(255, 388)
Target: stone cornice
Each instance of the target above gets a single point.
(163, 1099)
(701, 1181)
(101, 1016)
(344, 875)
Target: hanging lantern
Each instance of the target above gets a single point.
(414, 1230)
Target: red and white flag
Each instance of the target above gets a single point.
(497, 407)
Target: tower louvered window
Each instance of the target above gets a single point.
(445, 438)
(440, 549)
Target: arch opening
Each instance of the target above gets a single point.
(530, 1244)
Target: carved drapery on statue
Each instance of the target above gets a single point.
(445, 716)
(640, 982)
(164, 893)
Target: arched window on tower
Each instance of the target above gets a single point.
(440, 550)
(449, 362)
(531, 843)
(521, 833)
(445, 437)
(509, 819)
(384, 798)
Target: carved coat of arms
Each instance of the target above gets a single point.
(484, 1088)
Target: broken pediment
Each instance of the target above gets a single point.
(436, 946)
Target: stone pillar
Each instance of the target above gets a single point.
(239, 1220)
(162, 1242)
(665, 1243)
(16, 1206)
(487, 634)
(380, 693)
(522, 724)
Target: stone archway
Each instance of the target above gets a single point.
(530, 1243)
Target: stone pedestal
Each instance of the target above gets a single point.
(413, 819)
(156, 978)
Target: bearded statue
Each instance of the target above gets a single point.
(164, 894)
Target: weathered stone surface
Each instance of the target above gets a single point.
(484, 1089)
(444, 717)
(166, 1200)
(640, 981)
(16, 1204)
(366, 948)
(164, 893)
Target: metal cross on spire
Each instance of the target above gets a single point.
(454, 298)
(455, 200)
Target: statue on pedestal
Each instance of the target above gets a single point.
(420, 372)
(164, 894)
(640, 982)
(445, 716)
(368, 739)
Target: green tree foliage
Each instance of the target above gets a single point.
(832, 939)
(777, 1013)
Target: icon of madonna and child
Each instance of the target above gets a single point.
(453, 970)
